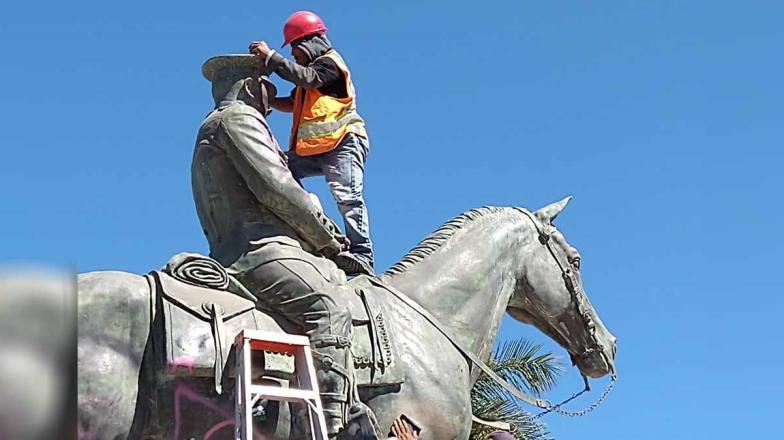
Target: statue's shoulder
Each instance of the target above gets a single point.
(239, 108)
(237, 117)
(233, 110)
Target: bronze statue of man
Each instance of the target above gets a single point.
(265, 229)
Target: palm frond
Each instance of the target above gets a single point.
(526, 427)
(520, 363)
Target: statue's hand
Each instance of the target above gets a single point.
(339, 241)
(331, 250)
(331, 226)
(344, 242)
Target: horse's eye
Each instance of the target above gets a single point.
(575, 261)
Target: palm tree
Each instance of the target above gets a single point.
(520, 363)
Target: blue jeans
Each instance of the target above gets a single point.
(344, 169)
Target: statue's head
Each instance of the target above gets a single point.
(239, 78)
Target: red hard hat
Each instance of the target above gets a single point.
(301, 24)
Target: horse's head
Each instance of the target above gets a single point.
(550, 296)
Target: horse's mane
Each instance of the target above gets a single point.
(434, 241)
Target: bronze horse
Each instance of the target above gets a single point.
(467, 274)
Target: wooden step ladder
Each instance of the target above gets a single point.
(247, 394)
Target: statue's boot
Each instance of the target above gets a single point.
(361, 424)
(332, 356)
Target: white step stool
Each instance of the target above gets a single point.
(247, 394)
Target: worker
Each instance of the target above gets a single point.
(328, 136)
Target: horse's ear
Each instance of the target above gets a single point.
(547, 214)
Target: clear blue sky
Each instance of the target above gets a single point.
(664, 120)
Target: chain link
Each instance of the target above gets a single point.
(557, 408)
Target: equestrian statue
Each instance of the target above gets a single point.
(155, 355)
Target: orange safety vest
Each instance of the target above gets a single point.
(320, 121)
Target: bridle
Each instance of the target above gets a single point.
(579, 300)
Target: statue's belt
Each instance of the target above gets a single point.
(540, 403)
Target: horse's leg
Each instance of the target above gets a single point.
(114, 325)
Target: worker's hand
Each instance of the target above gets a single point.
(259, 48)
(403, 431)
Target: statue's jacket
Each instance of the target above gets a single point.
(244, 192)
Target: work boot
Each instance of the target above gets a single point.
(353, 264)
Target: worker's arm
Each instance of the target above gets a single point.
(321, 72)
(283, 104)
(254, 153)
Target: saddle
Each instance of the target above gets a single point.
(202, 308)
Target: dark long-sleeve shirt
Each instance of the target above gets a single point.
(322, 74)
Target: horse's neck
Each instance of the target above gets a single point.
(468, 281)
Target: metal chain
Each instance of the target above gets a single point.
(557, 408)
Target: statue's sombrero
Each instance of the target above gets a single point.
(246, 64)
(237, 62)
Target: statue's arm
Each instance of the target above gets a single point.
(255, 155)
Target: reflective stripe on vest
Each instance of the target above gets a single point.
(321, 121)
(310, 130)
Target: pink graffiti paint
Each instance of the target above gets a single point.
(182, 361)
(217, 427)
